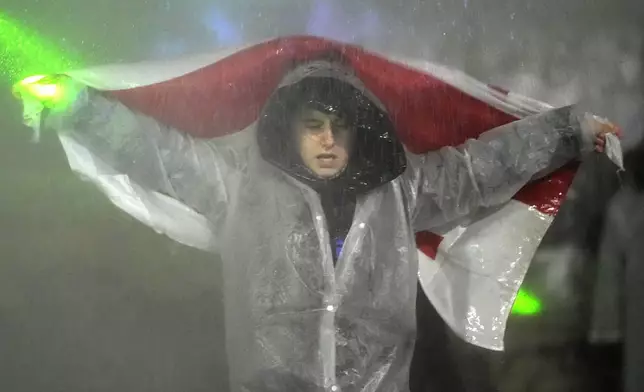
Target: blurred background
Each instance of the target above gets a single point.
(91, 300)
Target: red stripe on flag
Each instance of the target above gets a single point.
(548, 194)
(228, 95)
(224, 97)
(428, 243)
(428, 113)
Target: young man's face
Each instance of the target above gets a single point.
(324, 142)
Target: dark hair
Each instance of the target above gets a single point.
(328, 95)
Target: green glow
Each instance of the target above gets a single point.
(41, 89)
(526, 304)
(55, 92)
(26, 55)
(23, 52)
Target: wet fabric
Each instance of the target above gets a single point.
(294, 319)
(376, 156)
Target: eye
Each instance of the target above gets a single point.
(314, 124)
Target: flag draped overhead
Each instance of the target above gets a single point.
(471, 271)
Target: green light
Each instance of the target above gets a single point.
(23, 52)
(26, 55)
(526, 304)
(42, 91)
(55, 92)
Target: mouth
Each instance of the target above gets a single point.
(326, 160)
(326, 156)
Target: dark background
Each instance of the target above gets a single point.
(91, 300)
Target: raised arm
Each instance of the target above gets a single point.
(166, 179)
(456, 181)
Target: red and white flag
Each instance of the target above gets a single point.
(470, 271)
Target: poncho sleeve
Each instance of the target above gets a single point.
(456, 181)
(166, 179)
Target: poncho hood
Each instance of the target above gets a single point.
(377, 155)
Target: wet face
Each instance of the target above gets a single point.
(324, 142)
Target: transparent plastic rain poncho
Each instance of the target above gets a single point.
(294, 320)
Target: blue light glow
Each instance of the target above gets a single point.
(224, 30)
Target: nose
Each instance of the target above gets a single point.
(327, 140)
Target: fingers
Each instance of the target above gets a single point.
(600, 137)
(600, 142)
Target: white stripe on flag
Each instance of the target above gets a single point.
(145, 73)
(479, 268)
(511, 103)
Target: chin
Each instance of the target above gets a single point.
(327, 174)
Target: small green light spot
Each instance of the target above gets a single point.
(45, 91)
(54, 92)
(526, 304)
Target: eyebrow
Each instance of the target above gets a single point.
(312, 121)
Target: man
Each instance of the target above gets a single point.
(313, 214)
(325, 133)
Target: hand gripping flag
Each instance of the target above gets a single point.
(470, 271)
